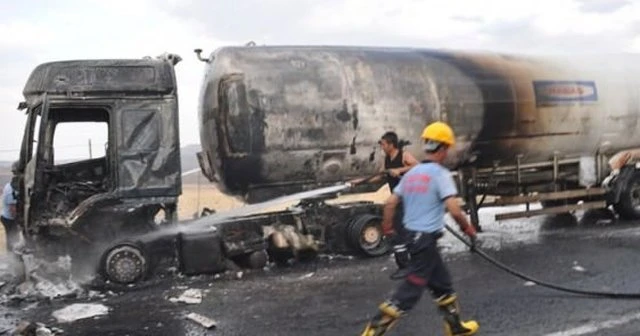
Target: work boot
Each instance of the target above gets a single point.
(453, 326)
(386, 318)
(402, 257)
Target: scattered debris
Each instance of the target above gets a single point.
(79, 311)
(306, 276)
(202, 320)
(336, 257)
(45, 279)
(190, 296)
(29, 307)
(95, 294)
(26, 328)
(577, 267)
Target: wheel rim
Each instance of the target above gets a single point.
(370, 236)
(125, 264)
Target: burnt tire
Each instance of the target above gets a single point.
(253, 260)
(124, 263)
(628, 205)
(364, 234)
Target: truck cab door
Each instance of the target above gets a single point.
(148, 149)
(33, 177)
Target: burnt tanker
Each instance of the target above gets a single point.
(286, 117)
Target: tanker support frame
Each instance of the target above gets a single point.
(560, 185)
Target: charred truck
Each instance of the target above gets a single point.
(277, 120)
(66, 207)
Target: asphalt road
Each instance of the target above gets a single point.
(336, 297)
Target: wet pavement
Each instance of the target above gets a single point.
(336, 296)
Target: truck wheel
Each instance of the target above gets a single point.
(365, 234)
(253, 260)
(124, 263)
(628, 206)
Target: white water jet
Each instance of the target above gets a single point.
(217, 218)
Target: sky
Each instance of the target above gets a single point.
(33, 32)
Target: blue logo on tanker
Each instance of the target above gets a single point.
(565, 91)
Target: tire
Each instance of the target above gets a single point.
(628, 205)
(365, 234)
(125, 263)
(253, 260)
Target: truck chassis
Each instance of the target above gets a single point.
(310, 227)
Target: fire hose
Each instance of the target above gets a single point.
(484, 255)
(520, 275)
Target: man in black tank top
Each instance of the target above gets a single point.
(396, 163)
(391, 163)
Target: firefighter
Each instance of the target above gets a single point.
(426, 190)
(396, 163)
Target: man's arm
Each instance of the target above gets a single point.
(447, 191)
(388, 213)
(13, 210)
(456, 212)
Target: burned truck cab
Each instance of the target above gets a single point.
(134, 186)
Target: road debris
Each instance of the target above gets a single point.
(190, 296)
(306, 276)
(335, 257)
(202, 320)
(577, 267)
(26, 328)
(79, 311)
(48, 280)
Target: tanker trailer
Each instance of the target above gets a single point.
(278, 119)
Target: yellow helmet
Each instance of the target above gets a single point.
(440, 132)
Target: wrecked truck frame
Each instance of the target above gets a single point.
(97, 210)
(311, 227)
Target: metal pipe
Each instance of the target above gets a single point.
(518, 176)
(531, 165)
(555, 167)
(198, 52)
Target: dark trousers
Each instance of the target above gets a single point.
(399, 240)
(11, 232)
(426, 271)
(398, 217)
